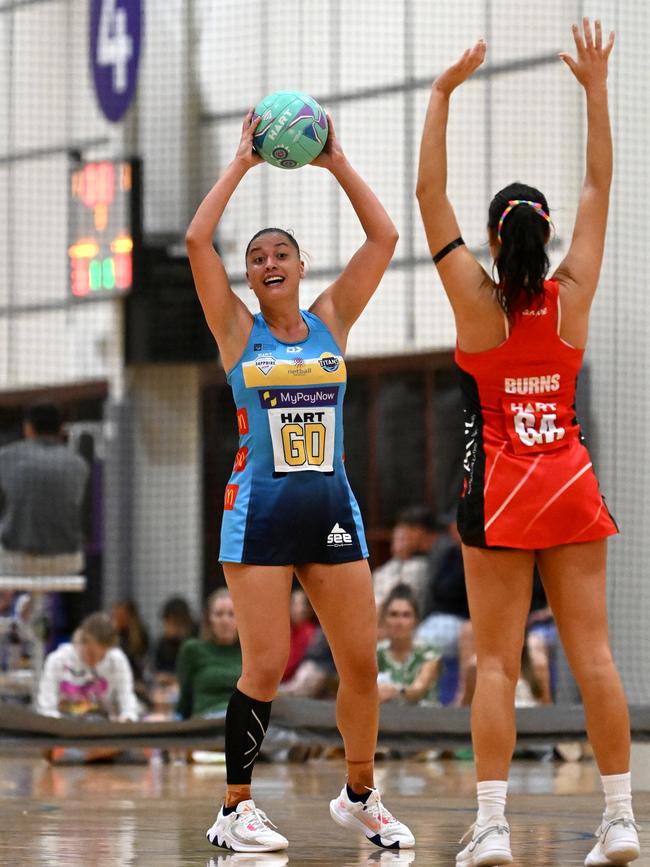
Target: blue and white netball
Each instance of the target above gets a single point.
(292, 130)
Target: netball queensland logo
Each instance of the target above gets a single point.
(330, 363)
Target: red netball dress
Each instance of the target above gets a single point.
(528, 480)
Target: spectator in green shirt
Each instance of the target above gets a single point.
(209, 667)
(408, 669)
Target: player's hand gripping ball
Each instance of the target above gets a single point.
(292, 130)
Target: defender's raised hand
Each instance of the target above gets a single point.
(461, 70)
(590, 65)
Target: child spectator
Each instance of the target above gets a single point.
(177, 626)
(133, 638)
(89, 677)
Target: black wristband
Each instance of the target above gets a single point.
(451, 246)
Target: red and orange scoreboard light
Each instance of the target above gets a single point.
(104, 229)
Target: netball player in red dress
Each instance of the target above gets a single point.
(530, 493)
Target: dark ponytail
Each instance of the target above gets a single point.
(521, 262)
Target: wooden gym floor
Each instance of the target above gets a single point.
(155, 815)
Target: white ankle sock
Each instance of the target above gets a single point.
(618, 794)
(491, 800)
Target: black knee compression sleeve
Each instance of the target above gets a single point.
(247, 720)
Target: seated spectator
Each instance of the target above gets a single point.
(413, 536)
(89, 677)
(133, 638)
(209, 667)
(541, 640)
(15, 634)
(6, 602)
(177, 626)
(528, 691)
(303, 627)
(408, 669)
(540, 645)
(316, 676)
(446, 608)
(446, 540)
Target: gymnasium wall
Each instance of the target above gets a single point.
(203, 64)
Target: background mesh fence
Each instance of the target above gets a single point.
(138, 376)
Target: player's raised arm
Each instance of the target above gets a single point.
(228, 317)
(579, 271)
(341, 304)
(461, 274)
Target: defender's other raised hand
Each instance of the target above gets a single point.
(461, 70)
(590, 66)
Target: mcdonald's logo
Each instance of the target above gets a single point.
(242, 421)
(230, 497)
(240, 459)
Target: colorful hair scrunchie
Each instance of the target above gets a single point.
(513, 204)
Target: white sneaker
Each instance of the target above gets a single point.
(246, 829)
(618, 842)
(372, 819)
(490, 844)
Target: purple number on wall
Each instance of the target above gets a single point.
(115, 36)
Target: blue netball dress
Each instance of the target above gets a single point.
(288, 500)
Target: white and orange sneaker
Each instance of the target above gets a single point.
(372, 819)
(246, 829)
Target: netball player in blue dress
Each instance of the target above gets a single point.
(288, 506)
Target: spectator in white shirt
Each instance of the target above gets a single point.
(89, 677)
